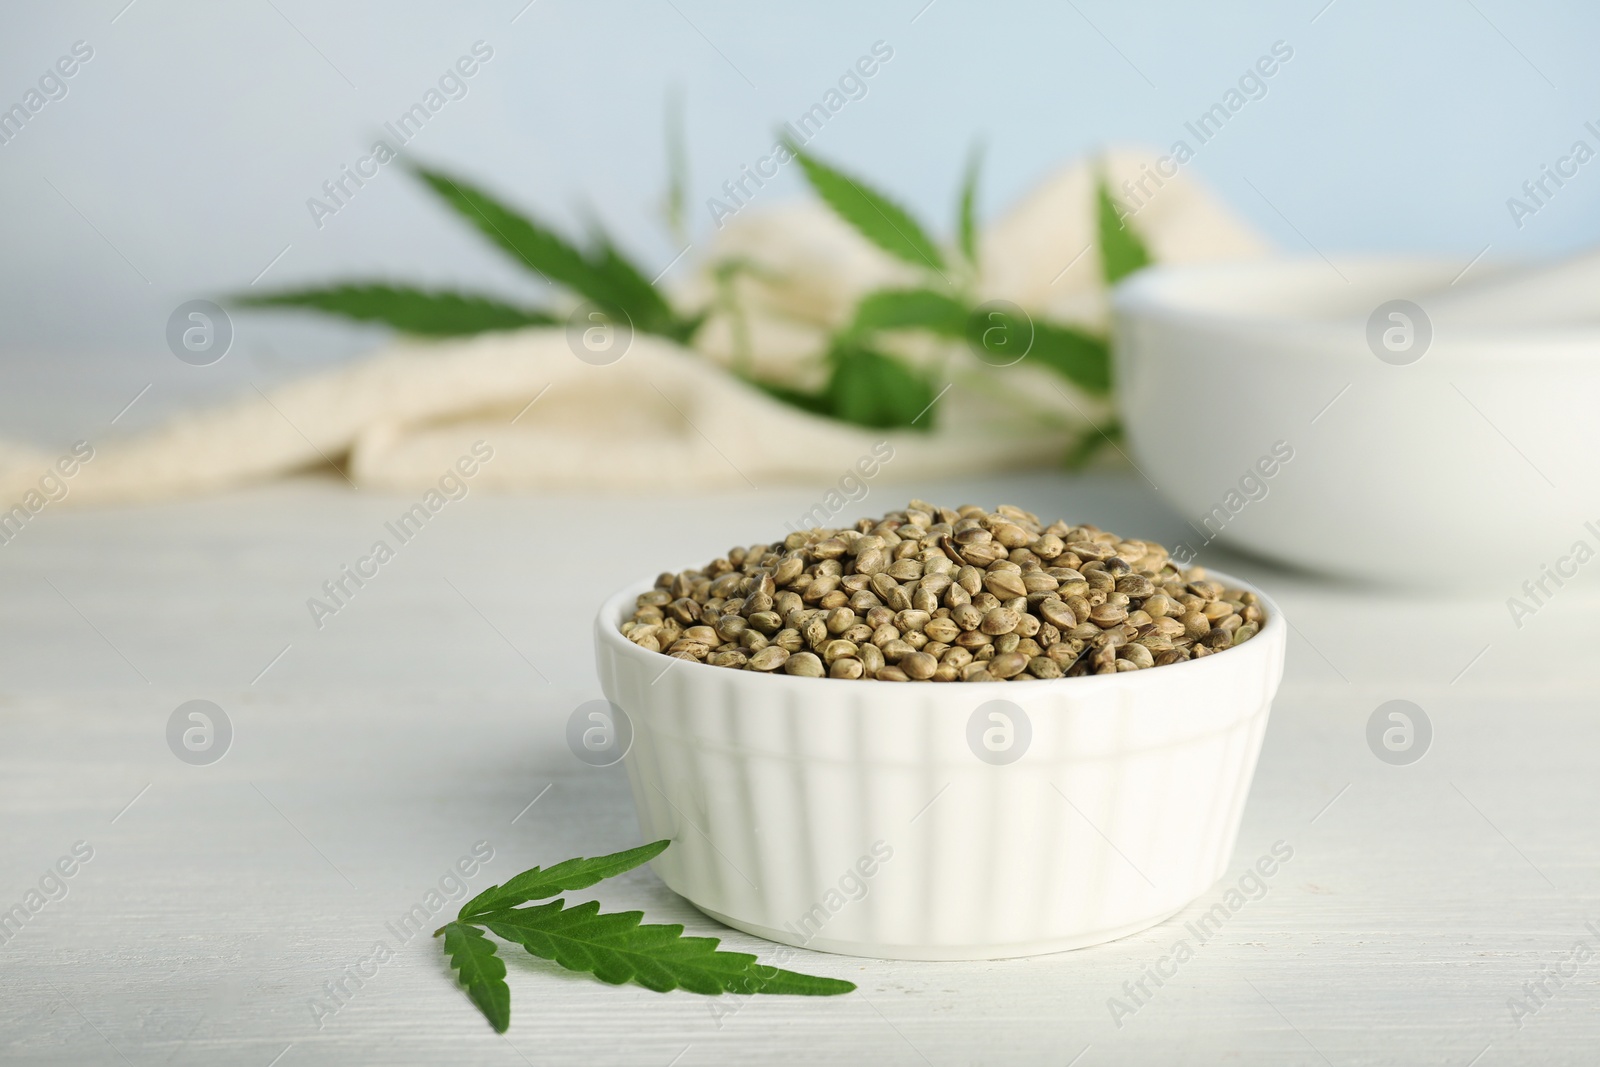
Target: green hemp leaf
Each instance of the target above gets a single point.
(615, 947)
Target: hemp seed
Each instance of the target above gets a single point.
(944, 595)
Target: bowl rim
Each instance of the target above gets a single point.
(1147, 295)
(610, 615)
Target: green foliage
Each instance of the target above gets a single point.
(536, 883)
(614, 947)
(602, 274)
(873, 388)
(481, 973)
(1091, 443)
(999, 337)
(1121, 250)
(413, 311)
(867, 384)
(901, 309)
(876, 217)
(1080, 358)
(675, 204)
(815, 403)
(966, 220)
(869, 388)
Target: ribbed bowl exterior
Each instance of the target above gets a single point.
(858, 817)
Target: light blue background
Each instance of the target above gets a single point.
(193, 138)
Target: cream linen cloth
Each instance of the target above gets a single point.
(669, 417)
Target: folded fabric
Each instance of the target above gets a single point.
(664, 416)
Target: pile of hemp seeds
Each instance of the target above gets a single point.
(946, 595)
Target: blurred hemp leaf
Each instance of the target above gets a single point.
(416, 311)
(867, 383)
(1121, 250)
(966, 220)
(601, 274)
(876, 217)
(899, 396)
(675, 204)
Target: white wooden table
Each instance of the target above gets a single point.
(428, 714)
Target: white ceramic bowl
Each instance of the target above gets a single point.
(1484, 452)
(856, 816)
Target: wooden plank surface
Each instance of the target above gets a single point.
(425, 716)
